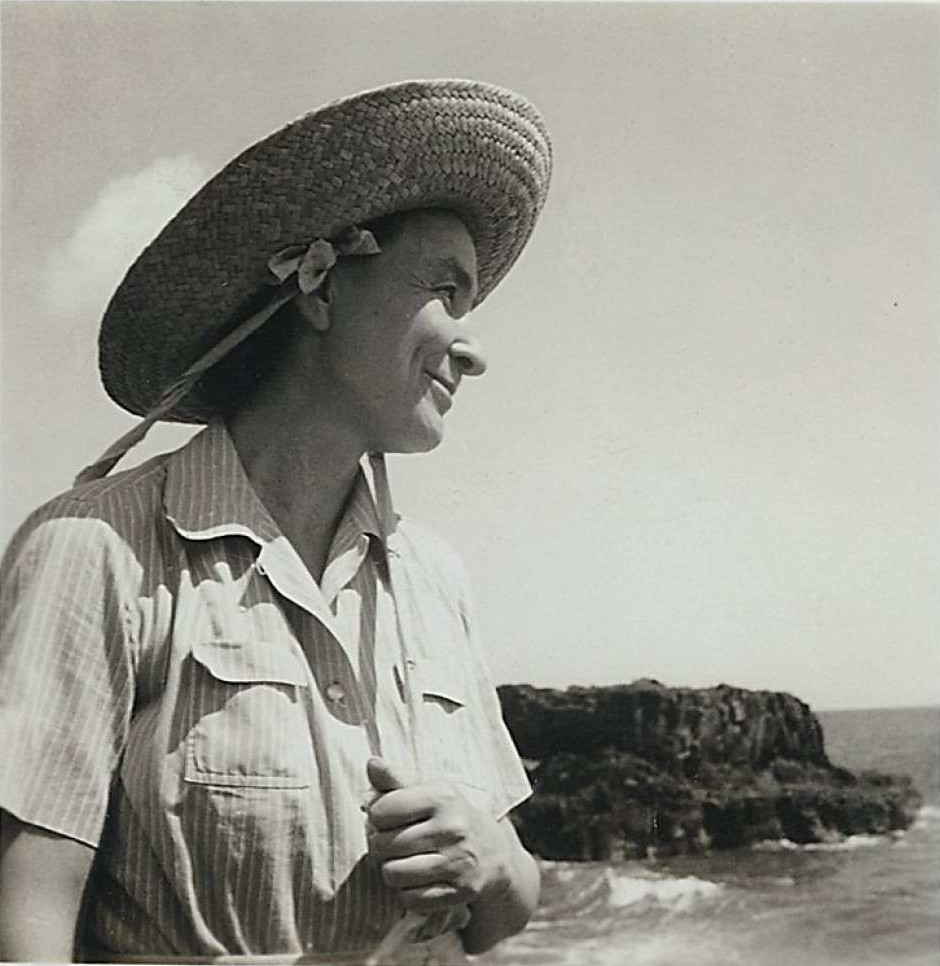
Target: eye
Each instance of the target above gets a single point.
(450, 291)
(451, 296)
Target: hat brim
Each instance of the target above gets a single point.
(476, 149)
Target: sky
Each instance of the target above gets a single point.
(706, 448)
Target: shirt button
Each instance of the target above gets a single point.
(336, 693)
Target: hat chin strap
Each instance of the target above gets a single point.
(298, 269)
(178, 390)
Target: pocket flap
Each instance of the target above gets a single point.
(437, 679)
(243, 662)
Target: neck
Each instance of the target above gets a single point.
(302, 468)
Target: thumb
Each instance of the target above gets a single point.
(383, 777)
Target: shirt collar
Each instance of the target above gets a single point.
(208, 495)
(361, 515)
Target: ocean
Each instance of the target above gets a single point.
(866, 901)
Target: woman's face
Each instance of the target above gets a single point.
(397, 347)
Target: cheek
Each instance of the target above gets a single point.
(419, 332)
(389, 345)
(366, 342)
(433, 323)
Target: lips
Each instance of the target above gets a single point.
(451, 387)
(442, 391)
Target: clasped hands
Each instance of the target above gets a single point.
(436, 849)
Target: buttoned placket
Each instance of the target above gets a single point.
(281, 565)
(339, 573)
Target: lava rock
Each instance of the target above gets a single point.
(633, 770)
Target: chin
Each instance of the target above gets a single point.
(416, 446)
(420, 439)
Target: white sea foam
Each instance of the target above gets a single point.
(562, 871)
(848, 844)
(679, 894)
(927, 815)
(775, 845)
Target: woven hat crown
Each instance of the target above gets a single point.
(474, 148)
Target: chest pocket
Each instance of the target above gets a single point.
(451, 731)
(247, 720)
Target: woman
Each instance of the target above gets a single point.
(244, 711)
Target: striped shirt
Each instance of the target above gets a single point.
(177, 691)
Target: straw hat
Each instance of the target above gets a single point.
(471, 147)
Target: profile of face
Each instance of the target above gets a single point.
(393, 339)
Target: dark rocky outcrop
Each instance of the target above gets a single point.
(624, 771)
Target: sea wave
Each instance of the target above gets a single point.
(848, 844)
(678, 894)
(573, 891)
(927, 815)
(562, 871)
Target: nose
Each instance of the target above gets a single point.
(466, 355)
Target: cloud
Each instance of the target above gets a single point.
(80, 275)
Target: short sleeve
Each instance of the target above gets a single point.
(511, 781)
(66, 670)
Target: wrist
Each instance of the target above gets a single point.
(505, 906)
(498, 889)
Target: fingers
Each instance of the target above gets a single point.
(413, 871)
(406, 806)
(383, 777)
(428, 881)
(433, 847)
(431, 898)
(396, 843)
(424, 881)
